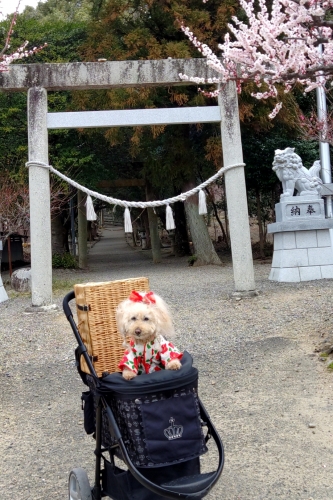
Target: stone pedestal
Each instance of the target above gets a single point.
(21, 280)
(302, 242)
(296, 208)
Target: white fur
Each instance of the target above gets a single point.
(144, 322)
(159, 318)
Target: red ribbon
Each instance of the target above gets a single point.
(147, 298)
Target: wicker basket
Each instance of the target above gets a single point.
(96, 304)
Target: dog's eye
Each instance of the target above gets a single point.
(145, 318)
(133, 319)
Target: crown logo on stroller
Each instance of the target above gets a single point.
(174, 431)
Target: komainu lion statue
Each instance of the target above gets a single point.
(289, 168)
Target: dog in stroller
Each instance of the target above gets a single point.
(143, 319)
(150, 431)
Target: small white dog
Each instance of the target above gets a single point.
(144, 319)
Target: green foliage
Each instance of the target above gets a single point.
(63, 39)
(71, 152)
(13, 133)
(141, 29)
(192, 259)
(52, 11)
(259, 149)
(66, 261)
(85, 156)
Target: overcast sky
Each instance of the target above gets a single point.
(8, 6)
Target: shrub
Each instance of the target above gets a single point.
(66, 261)
(192, 259)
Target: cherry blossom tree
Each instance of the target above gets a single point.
(288, 43)
(21, 52)
(314, 128)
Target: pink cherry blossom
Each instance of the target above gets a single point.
(276, 46)
(21, 52)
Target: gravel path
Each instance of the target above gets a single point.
(266, 389)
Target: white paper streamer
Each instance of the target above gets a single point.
(91, 214)
(202, 202)
(169, 223)
(127, 220)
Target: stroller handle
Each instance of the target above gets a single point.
(82, 348)
(65, 304)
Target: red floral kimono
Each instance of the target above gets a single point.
(149, 357)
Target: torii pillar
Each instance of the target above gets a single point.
(39, 195)
(235, 187)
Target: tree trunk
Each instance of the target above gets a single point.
(153, 228)
(145, 223)
(202, 243)
(154, 236)
(224, 234)
(82, 230)
(57, 232)
(182, 246)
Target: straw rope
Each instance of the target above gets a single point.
(138, 204)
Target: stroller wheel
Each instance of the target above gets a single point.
(78, 485)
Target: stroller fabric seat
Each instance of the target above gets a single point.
(158, 415)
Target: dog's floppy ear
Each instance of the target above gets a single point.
(163, 317)
(120, 316)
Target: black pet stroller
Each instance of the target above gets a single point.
(149, 432)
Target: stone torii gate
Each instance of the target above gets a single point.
(37, 79)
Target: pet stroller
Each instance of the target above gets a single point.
(149, 432)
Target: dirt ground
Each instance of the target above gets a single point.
(263, 380)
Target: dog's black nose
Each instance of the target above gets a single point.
(137, 331)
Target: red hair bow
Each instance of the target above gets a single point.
(147, 298)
